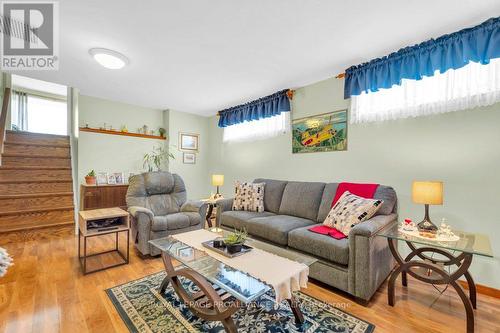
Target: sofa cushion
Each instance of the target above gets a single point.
(237, 218)
(322, 246)
(326, 200)
(273, 192)
(302, 199)
(388, 196)
(175, 221)
(275, 228)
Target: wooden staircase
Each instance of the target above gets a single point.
(36, 188)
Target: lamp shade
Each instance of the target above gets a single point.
(427, 192)
(217, 180)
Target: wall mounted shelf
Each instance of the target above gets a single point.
(137, 135)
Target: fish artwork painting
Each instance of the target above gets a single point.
(320, 133)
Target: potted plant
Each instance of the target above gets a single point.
(90, 178)
(155, 158)
(162, 132)
(234, 241)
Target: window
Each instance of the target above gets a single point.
(258, 129)
(39, 114)
(468, 87)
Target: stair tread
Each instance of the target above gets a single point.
(35, 195)
(32, 211)
(33, 167)
(34, 155)
(36, 181)
(37, 144)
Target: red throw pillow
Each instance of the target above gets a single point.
(361, 190)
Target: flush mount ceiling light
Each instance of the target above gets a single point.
(109, 58)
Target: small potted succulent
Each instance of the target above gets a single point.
(90, 178)
(234, 241)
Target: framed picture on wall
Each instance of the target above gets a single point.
(102, 178)
(189, 158)
(188, 142)
(321, 133)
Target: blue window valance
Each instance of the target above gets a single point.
(478, 44)
(264, 107)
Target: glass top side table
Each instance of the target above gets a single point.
(421, 264)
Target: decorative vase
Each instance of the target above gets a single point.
(89, 180)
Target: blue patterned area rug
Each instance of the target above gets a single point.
(143, 309)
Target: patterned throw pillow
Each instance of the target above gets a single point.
(351, 210)
(249, 197)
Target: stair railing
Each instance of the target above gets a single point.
(3, 119)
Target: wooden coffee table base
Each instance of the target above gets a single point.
(209, 303)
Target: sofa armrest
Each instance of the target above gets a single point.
(371, 227)
(222, 206)
(135, 211)
(370, 260)
(197, 206)
(191, 206)
(140, 225)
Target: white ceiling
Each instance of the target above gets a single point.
(201, 56)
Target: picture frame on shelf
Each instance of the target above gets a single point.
(189, 158)
(119, 178)
(102, 178)
(188, 142)
(111, 179)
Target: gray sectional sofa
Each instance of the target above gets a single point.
(356, 265)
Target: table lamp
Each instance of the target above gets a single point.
(427, 193)
(217, 180)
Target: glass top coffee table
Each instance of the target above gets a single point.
(242, 286)
(422, 264)
(222, 289)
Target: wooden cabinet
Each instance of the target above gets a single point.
(102, 196)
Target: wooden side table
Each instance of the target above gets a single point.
(98, 222)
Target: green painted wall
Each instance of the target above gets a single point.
(459, 148)
(196, 176)
(113, 153)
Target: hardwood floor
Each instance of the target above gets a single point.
(45, 291)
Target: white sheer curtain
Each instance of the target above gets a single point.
(470, 86)
(258, 129)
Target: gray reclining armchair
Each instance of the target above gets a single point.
(158, 204)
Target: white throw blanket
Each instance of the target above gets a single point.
(284, 275)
